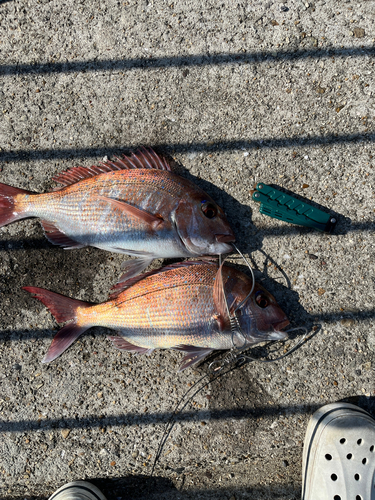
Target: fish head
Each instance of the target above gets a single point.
(261, 318)
(202, 226)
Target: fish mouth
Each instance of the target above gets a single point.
(225, 238)
(280, 325)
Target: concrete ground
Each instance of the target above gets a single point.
(237, 93)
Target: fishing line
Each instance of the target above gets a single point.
(170, 424)
(233, 319)
(234, 356)
(252, 276)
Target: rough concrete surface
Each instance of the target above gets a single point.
(236, 93)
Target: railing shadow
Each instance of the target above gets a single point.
(307, 321)
(191, 147)
(344, 226)
(142, 487)
(214, 59)
(141, 419)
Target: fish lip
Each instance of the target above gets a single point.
(280, 325)
(225, 238)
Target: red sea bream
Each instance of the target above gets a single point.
(133, 205)
(181, 306)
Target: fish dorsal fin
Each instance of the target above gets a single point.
(122, 285)
(142, 158)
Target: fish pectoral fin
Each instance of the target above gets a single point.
(123, 345)
(55, 236)
(133, 268)
(223, 324)
(193, 355)
(152, 220)
(220, 300)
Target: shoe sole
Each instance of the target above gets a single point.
(87, 491)
(339, 454)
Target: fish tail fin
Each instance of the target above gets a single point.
(63, 309)
(8, 208)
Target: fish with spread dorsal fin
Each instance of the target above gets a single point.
(171, 308)
(133, 205)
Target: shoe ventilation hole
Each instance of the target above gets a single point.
(349, 456)
(333, 477)
(357, 477)
(342, 440)
(328, 456)
(358, 497)
(372, 448)
(337, 497)
(359, 442)
(364, 461)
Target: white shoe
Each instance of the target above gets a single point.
(78, 490)
(339, 454)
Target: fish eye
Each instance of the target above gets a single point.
(209, 209)
(261, 300)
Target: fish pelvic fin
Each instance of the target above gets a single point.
(142, 158)
(123, 345)
(63, 309)
(8, 204)
(193, 355)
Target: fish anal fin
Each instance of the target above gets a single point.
(57, 237)
(152, 220)
(193, 355)
(123, 345)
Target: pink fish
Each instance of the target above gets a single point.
(133, 205)
(181, 306)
